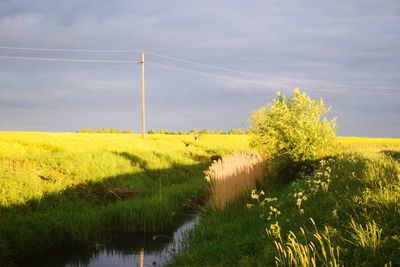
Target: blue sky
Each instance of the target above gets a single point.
(346, 52)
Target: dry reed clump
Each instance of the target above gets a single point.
(231, 175)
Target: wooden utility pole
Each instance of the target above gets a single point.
(141, 257)
(142, 86)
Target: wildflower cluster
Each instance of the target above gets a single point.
(273, 212)
(312, 246)
(300, 197)
(274, 230)
(322, 178)
(301, 190)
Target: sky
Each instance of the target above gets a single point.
(208, 64)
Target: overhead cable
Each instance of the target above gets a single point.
(66, 59)
(69, 50)
(314, 82)
(259, 82)
(275, 79)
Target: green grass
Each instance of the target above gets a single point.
(64, 189)
(348, 214)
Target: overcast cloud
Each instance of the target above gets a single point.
(346, 52)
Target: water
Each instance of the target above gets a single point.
(120, 250)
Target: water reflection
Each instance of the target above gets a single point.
(121, 250)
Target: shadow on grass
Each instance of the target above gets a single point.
(392, 153)
(147, 201)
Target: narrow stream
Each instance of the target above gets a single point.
(121, 250)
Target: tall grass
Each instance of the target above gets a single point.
(232, 175)
(308, 253)
(358, 187)
(353, 198)
(368, 237)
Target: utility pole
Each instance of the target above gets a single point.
(142, 86)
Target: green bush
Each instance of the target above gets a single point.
(293, 128)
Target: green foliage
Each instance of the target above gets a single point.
(293, 128)
(227, 238)
(353, 199)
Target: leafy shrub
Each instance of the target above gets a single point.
(293, 128)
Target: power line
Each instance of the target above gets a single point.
(206, 65)
(191, 71)
(312, 82)
(280, 80)
(259, 82)
(69, 50)
(207, 74)
(315, 82)
(65, 59)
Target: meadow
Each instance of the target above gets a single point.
(59, 190)
(346, 212)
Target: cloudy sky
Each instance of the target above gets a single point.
(346, 52)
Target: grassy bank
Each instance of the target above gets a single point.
(63, 189)
(349, 208)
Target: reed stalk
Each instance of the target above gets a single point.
(232, 175)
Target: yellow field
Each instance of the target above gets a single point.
(369, 145)
(33, 163)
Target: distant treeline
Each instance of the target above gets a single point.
(202, 131)
(105, 130)
(193, 131)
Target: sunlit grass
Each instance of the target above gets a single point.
(32, 164)
(319, 251)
